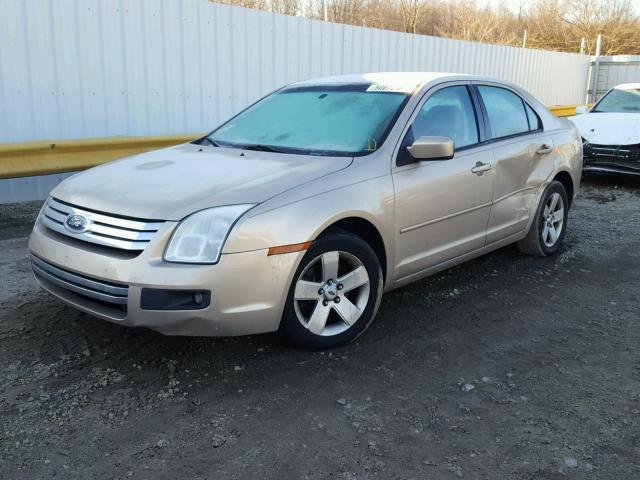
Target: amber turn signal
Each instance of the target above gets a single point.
(296, 247)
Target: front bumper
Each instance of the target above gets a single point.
(248, 290)
(622, 159)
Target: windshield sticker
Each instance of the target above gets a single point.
(379, 87)
(372, 145)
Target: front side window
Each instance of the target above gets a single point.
(505, 111)
(620, 101)
(318, 120)
(449, 113)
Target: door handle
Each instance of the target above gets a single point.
(480, 168)
(544, 149)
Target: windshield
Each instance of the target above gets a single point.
(321, 120)
(621, 101)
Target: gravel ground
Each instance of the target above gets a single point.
(507, 367)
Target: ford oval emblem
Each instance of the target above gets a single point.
(77, 223)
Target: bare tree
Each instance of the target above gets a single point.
(288, 7)
(550, 24)
(410, 11)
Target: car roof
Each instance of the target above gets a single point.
(399, 81)
(627, 86)
(412, 82)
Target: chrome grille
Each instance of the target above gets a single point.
(111, 293)
(102, 229)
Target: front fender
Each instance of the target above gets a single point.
(305, 219)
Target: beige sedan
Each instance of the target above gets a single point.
(299, 212)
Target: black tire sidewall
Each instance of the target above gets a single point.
(555, 187)
(344, 242)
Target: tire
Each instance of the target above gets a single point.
(539, 240)
(312, 296)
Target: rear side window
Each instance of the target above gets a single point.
(448, 113)
(534, 119)
(505, 111)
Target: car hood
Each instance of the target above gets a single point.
(609, 128)
(170, 184)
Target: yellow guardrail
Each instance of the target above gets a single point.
(45, 157)
(565, 110)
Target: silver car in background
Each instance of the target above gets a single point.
(299, 212)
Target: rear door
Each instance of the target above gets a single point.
(442, 206)
(523, 158)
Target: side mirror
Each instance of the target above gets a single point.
(432, 148)
(582, 110)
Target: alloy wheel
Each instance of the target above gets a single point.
(331, 293)
(552, 220)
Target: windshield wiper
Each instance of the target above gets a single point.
(207, 140)
(261, 148)
(321, 153)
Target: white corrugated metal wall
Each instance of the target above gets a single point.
(89, 68)
(615, 70)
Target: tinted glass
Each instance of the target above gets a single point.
(329, 120)
(620, 101)
(448, 113)
(534, 120)
(505, 110)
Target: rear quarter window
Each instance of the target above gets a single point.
(534, 120)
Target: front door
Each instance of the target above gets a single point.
(442, 207)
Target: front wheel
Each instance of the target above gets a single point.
(548, 228)
(335, 293)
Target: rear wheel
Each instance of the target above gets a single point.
(547, 231)
(335, 293)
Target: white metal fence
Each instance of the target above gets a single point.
(90, 68)
(612, 71)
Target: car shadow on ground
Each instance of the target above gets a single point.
(604, 181)
(427, 311)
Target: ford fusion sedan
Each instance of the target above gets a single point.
(611, 131)
(298, 213)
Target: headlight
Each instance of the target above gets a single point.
(199, 238)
